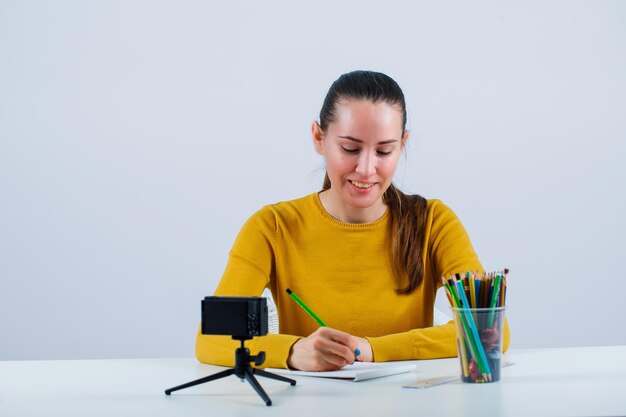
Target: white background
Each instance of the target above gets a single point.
(137, 136)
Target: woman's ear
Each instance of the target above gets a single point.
(318, 137)
(405, 137)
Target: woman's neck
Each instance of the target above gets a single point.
(350, 214)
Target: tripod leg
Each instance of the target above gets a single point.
(270, 375)
(218, 375)
(257, 387)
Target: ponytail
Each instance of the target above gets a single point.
(407, 226)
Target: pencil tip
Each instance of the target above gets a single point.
(288, 291)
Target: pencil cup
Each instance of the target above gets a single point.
(479, 341)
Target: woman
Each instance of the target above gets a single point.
(364, 256)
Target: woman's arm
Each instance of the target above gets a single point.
(427, 343)
(448, 250)
(220, 350)
(247, 274)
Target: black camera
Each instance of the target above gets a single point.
(239, 317)
(242, 318)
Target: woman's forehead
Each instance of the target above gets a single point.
(363, 119)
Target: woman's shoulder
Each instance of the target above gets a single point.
(286, 210)
(299, 203)
(436, 205)
(440, 216)
(438, 211)
(433, 205)
(292, 207)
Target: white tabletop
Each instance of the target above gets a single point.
(543, 382)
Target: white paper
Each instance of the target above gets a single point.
(358, 371)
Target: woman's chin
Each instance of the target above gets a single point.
(362, 201)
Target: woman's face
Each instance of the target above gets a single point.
(362, 148)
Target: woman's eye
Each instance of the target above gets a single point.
(349, 150)
(383, 153)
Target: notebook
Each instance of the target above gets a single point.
(358, 371)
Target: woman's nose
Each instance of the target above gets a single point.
(366, 165)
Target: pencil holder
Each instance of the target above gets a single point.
(479, 342)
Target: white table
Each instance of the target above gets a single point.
(543, 382)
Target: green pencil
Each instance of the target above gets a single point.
(494, 299)
(319, 321)
(305, 307)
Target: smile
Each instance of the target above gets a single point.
(361, 185)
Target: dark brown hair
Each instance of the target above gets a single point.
(407, 213)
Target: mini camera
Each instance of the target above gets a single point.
(239, 317)
(242, 318)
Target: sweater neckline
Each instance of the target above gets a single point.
(329, 217)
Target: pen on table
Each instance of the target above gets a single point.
(319, 321)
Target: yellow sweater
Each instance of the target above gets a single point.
(342, 272)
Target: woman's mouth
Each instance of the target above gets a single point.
(361, 186)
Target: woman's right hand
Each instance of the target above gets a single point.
(325, 349)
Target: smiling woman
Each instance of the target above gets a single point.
(360, 160)
(366, 257)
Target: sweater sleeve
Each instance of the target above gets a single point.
(249, 270)
(448, 250)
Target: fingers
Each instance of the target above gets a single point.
(328, 345)
(323, 350)
(342, 344)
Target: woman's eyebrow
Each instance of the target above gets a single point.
(382, 142)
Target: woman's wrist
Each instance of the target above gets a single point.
(290, 364)
(365, 349)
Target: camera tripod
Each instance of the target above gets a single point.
(243, 370)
